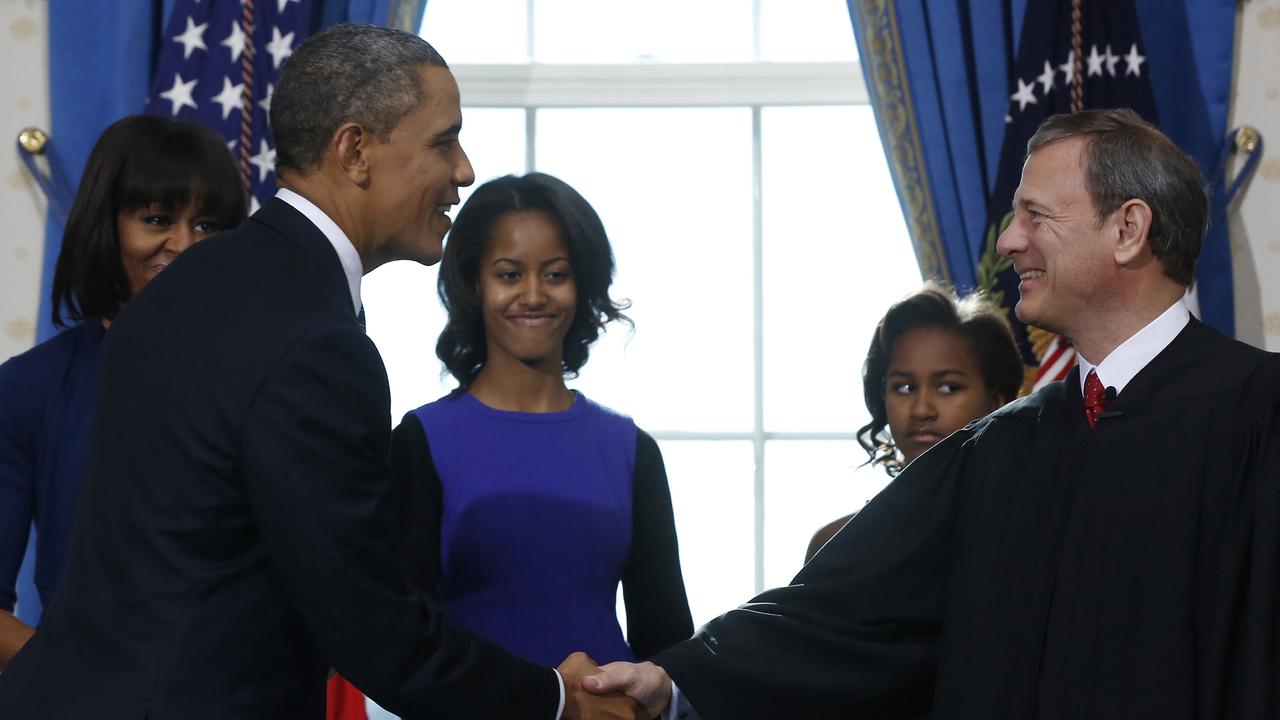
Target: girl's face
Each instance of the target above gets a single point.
(934, 387)
(527, 291)
(151, 237)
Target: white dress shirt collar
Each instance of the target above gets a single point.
(1127, 360)
(347, 255)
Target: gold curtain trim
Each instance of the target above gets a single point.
(882, 56)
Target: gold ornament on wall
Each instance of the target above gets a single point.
(33, 140)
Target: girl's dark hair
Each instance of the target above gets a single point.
(982, 324)
(461, 346)
(139, 160)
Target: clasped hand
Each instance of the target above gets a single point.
(614, 690)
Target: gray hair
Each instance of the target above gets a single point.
(347, 73)
(1128, 158)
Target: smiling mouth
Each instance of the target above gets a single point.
(1030, 275)
(532, 320)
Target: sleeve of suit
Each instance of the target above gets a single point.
(315, 451)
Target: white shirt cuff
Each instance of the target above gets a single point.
(678, 708)
(560, 707)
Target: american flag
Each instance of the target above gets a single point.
(218, 64)
(1072, 55)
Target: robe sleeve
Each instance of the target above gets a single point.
(652, 585)
(421, 503)
(856, 631)
(1241, 647)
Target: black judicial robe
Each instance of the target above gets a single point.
(1030, 567)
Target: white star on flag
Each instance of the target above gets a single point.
(1068, 69)
(265, 102)
(1133, 61)
(191, 38)
(234, 41)
(1111, 61)
(280, 47)
(230, 97)
(1046, 78)
(1025, 95)
(265, 160)
(281, 4)
(1095, 62)
(180, 94)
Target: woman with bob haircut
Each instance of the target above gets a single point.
(936, 363)
(151, 188)
(530, 503)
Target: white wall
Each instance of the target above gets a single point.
(24, 101)
(1255, 228)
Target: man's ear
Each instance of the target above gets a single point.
(350, 147)
(1134, 217)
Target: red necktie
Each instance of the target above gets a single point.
(1095, 398)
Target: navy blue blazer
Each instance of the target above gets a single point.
(236, 535)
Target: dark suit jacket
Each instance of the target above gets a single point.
(235, 535)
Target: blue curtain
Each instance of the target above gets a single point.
(940, 75)
(101, 59)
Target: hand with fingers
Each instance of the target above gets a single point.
(645, 682)
(595, 705)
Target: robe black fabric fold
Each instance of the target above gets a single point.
(1030, 567)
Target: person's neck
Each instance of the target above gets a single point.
(334, 202)
(1110, 327)
(508, 384)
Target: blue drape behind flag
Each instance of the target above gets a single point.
(940, 76)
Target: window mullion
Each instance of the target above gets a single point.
(757, 342)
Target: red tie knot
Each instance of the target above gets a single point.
(1095, 398)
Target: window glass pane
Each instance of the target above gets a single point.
(673, 187)
(466, 31)
(806, 31)
(836, 254)
(711, 493)
(625, 31)
(402, 312)
(809, 483)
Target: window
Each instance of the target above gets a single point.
(730, 150)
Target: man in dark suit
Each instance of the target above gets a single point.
(1107, 547)
(236, 535)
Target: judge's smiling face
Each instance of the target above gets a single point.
(527, 292)
(1058, 246)
(934, 387)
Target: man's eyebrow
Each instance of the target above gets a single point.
(450, 131)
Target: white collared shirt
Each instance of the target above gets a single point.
(347, 255)
(1127, 360)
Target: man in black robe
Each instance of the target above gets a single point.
(1112, 558)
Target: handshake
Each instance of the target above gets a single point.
(634, 691)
